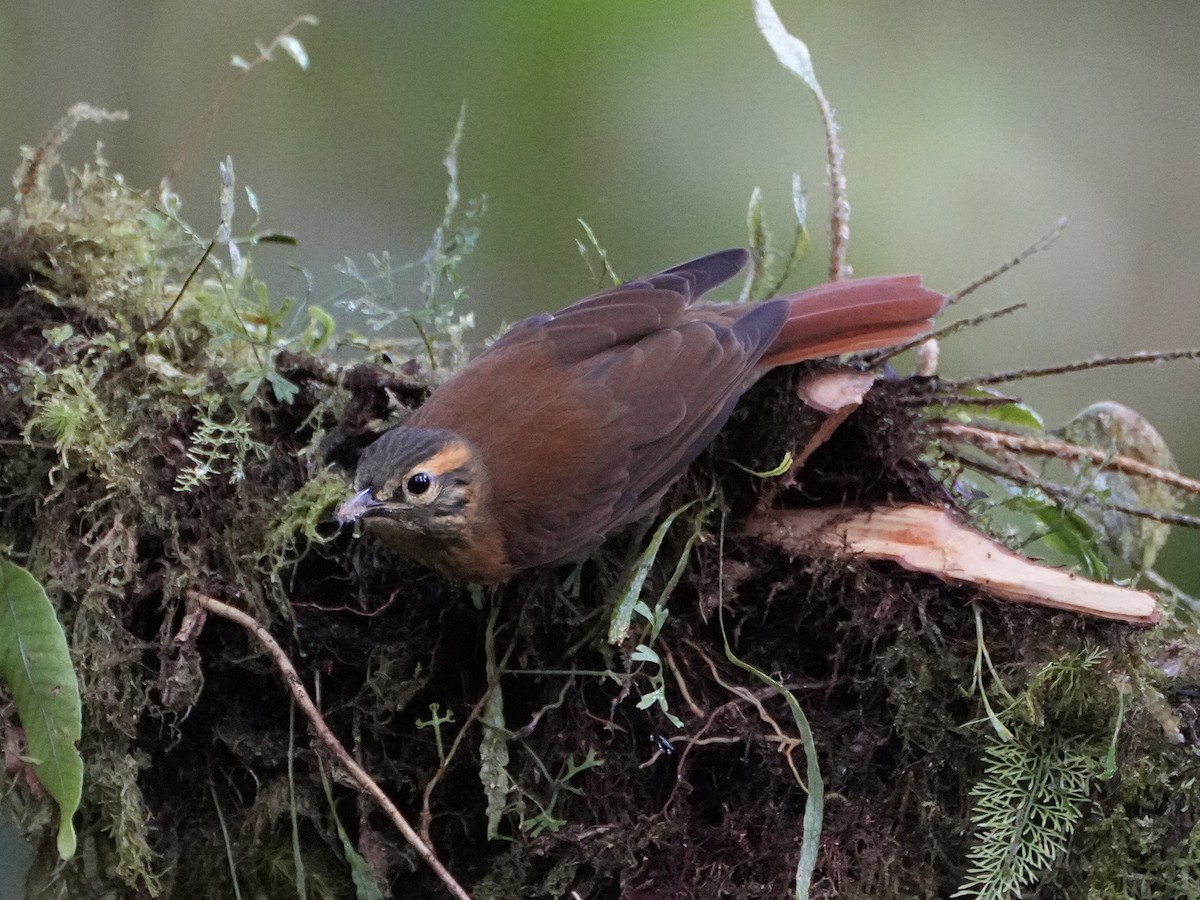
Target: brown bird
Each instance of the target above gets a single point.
(574, 424)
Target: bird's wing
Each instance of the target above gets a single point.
(626, 312)
(585, 417)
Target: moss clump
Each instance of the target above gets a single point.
(148, 444)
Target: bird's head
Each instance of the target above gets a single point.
(415, 486)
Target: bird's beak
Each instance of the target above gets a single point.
(356, 507)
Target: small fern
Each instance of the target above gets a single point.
(218, 448)
(1026, 809)
(1038, 775)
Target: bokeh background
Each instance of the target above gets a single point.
(970, 127)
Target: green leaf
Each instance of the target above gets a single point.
(366, 885)
(1070, 533)
(1016, 413)
(622, 613)
(36, 664)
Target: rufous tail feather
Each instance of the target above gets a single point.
(853, 315)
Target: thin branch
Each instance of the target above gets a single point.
(1100, 362)
(361, 378)
(937, 399)
(284, 39)
(292, 678)
(991, 439)
(878, 358)
(1036, 247)
(162, 320)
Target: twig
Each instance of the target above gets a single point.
(937, 399)
(878, 358)
(992, 439)
(1100, 362)
(292, 678)
(162, 320)
(360, 378)
(1036, 247)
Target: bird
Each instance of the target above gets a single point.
(572, 425)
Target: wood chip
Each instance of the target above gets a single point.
(929, 539)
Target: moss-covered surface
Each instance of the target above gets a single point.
(146, 454)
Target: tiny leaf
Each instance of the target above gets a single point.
(292, 46)
(791, 52)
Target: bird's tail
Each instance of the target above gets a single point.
(853, 315)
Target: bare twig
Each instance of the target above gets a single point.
(991, 439)
(165, 317)
(361, 378)
(292, 678)
(1036, 247)
(879, 357)
(1100, 362)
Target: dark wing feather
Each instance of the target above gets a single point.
(606, 404)
(626, 312)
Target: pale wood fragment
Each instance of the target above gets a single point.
(932, 540)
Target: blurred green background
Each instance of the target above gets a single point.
(970, 129)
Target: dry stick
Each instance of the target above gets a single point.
(162, 320)
(327, 737)
(1100, 362)
(877, 359)
(1036, 247)
(991, 439)
(970, 287)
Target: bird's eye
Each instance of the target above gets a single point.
(419, 484)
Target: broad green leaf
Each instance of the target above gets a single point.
(1017, 413)
(36, 665)
(1066, 532)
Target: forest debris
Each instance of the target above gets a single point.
(837, 393)
(928, 539)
